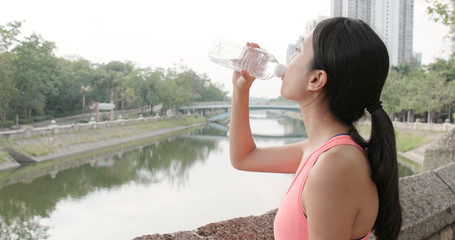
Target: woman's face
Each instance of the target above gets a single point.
(299, 71)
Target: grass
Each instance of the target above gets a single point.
(415, 167)
(5, 157)
(47, 144)
(406, 139)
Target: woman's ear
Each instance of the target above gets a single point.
(318, 81)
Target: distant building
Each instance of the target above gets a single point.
(309, 26)
(337, 8)
(292, 49)
(418, 57)
(393, 21)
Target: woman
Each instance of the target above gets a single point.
(344, 187)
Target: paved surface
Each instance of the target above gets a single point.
(417, 154)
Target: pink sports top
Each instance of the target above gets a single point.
(290, 221)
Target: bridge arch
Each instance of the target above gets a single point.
(225, 108)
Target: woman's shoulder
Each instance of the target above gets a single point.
(340, 165)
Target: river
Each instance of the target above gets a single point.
(175, 184)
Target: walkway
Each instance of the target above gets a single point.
(417, 154)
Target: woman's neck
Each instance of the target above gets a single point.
(320, 123)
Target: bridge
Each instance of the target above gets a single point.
(295, 136)
(224, 108)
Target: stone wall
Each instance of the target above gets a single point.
(28, 132)
(428, 202)
(441, 152)
(424, 126)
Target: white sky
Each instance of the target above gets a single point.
(160, 33)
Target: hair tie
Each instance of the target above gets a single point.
(373, 108)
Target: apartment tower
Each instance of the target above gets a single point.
(393, 21)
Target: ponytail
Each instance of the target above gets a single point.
(382, 155)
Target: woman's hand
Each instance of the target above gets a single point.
(243, 80)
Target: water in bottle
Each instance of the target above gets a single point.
(258, 62)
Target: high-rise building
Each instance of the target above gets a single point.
(360, 9)
(406, 31)
(292, 49)
(392, 20)
(309, 26)
(337, 8)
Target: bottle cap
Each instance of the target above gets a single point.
(279, 70)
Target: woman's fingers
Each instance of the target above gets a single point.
(253, 45)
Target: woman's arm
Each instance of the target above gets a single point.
(243, 151)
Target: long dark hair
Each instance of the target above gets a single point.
(357, 63)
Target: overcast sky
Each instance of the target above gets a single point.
(160, 33)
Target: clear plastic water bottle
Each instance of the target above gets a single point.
(258, 62)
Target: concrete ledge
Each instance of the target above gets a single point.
(252, 227)
(428, 204)
(441, 153)
(447, 174)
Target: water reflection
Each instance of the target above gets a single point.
(23, 205)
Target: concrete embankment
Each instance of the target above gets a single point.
(37, 145)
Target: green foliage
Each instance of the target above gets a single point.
(424, 89)
(8, 35)
(8, 88)
(406, 142)
(442, 11)
(35, 65)
(6, 124)
(34, 82)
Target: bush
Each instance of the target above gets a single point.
(82, 121)
(6, 124)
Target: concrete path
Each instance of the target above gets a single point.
(417, 154)
(8, 165)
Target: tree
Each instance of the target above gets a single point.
(442, 11)
(8, 35)
(70, 81)
(36, 64)
(8, 90)
(445, 69)
(82, 70)
(7, 83)
(39, 83)
(392, 92)
(153, 91)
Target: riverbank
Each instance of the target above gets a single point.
(21, 151)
